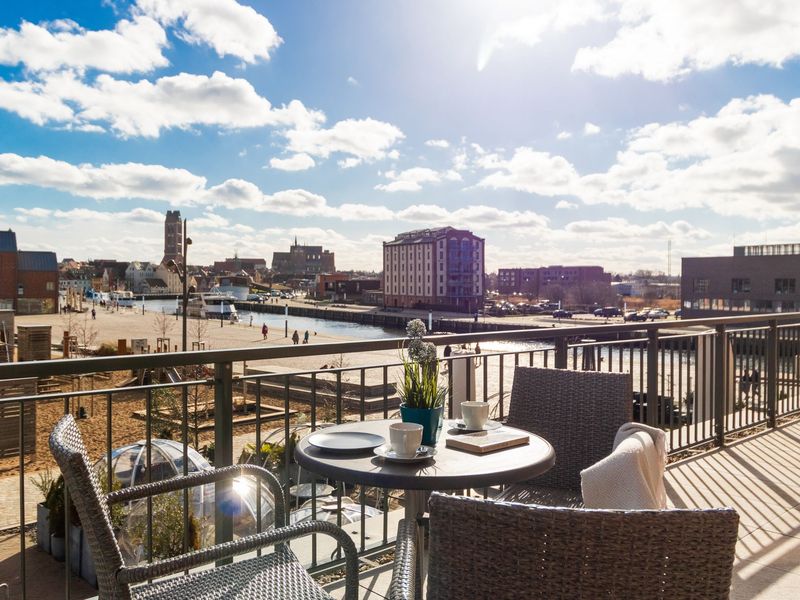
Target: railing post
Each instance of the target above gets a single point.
(223, 448)
(720, 389)
(561, 353)
(772, 373)
(653, 408)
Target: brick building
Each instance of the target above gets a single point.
(756, 279)
(303, 261)
(28, 280)
(533, 281)
(173, 237)
(439, 269)
(340, 287)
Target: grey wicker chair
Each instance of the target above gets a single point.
(275, 575)
(579, 413)
(498, 550)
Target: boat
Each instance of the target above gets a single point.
(213, 305)
(123, 299)
(237, 285)
(96, 296)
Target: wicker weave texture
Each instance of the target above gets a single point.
(275, 575)
(578, 412)
(405, 582)
(483, 549)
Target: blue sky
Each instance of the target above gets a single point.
(579, 131)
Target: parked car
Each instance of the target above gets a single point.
(657, 313)
(608, 311)
(678, 313)
(255, 298)
(633, 315)
(562, 314)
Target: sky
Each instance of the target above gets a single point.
(563, 132)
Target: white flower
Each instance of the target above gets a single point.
(416, 329)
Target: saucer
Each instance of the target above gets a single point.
(488, 426)
(386, 452)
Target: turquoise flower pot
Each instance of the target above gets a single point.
(429, 418)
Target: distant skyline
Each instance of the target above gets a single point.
(563, 132)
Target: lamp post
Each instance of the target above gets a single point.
(183, 275)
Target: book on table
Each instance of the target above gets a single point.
(481, 442)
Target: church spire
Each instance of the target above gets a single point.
(295, 240)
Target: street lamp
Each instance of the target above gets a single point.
(183, 275)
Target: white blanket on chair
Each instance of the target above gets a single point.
(632, 476)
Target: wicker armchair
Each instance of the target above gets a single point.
(579, 413)
(486, 549)
(275, 575)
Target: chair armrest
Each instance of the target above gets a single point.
(404, 574)
(202, 477)
(167, 566)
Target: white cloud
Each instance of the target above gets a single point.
(531, 171)
(551, 15)
(739, 162)
(133, 46)
(590, 129)
(410, 180)
(296, 162)
(437, 143)
(614, 228)
(230, 28)
(352, 81)
(565, 205)
(563, 135)
(363, 139)
(475, 217)
(662, 40)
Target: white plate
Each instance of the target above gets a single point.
(488, 426)
(344, 442)
(385, 451)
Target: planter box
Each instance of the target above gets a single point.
(75, 536)
(57, 547)
(43, 527)
(88, 572)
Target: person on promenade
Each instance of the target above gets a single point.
(94, 314)
(744, 384)
(305, 337)
(264, 330)
(477, 359)
(295, 337)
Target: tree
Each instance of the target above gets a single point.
(163, 324)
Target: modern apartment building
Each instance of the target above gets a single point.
(534, 281)
(434, 268)
(756, 279)
(303, 261)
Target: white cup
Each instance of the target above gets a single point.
(405, 438)
(475, 414)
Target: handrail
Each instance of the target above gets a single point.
(46, 368)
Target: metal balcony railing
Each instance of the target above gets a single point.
(701, 380)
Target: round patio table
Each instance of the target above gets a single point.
(448, 469)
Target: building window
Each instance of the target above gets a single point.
(701, 286)
(50, 286)
(740, 286)
(784, 286)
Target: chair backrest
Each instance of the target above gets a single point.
(485, 549)
(578, 412)
(87, 496)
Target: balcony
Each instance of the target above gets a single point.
(731, 444)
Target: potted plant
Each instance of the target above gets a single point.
(55, 502)
(43, 482)
(421, 394)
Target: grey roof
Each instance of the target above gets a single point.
(156, 282)
(8, 241)
(37, 261)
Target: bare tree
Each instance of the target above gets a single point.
(198, 330)
(85, 331)
(163, 324)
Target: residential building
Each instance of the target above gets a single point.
(173, 237)
(28, 280)
(439, 269)
(756, 279)
(303, 261)
(534, 281)
(251, 266)
(137, 274)
(339, 287)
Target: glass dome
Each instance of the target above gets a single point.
(129, 466)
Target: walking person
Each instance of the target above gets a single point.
(264, 330)
(94, 314)
(756, 379)
(295, 337)
(305, 337)
(744, 384)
